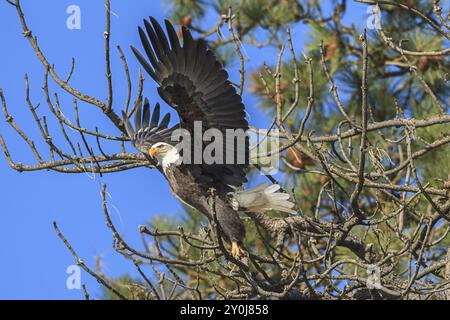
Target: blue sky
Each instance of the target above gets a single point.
(33, 261)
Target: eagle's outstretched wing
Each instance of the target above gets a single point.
(193, 81)
(191, 78)
(148, 130)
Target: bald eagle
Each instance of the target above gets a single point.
(195, 84)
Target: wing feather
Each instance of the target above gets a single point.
(194, 83)
(147, 128)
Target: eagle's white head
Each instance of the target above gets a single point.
(165, 154)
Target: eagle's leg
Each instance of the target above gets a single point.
(236, 251)
(229, 222)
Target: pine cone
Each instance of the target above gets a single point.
(185, 22)
(297, 159)
(331, 48)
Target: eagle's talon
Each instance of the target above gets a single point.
(236, 251)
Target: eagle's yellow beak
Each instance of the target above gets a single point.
(153, 151)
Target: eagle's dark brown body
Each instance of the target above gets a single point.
(206, 199)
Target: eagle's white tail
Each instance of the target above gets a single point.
(262, 198)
